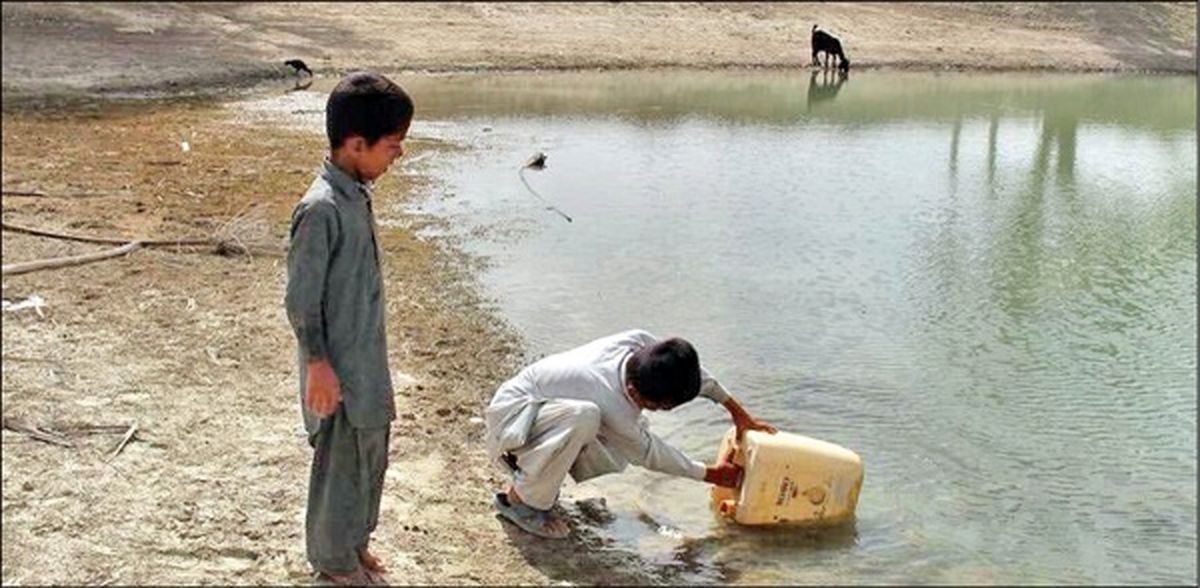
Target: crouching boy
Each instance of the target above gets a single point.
(580, 412)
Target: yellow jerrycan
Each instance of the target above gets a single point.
(790, 479)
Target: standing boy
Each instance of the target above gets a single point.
(580, 412)
(336, 307)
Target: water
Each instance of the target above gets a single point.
(983, 284)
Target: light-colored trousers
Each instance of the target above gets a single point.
(563, 439)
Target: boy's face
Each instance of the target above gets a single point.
(371, 161)
(642, 401)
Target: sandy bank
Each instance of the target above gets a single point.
(69, 48)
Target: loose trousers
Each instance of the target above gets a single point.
(562, 440)
(344, 490)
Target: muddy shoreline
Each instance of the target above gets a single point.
(65, 50)
(193, 347)
(210, 91)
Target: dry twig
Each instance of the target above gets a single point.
(191, 241)
(37, 433)
(129, 435)
(98, 429)
(13, 269)
(40, 194)
(227, 240)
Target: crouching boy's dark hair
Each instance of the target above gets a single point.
(366, 104)
(666, 373)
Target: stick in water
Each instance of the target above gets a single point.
(538, 161)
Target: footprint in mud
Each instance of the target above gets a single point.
(596, 553)
(595, 510)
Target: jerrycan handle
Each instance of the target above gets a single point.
(736, 448)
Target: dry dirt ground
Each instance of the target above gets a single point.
(194, 347)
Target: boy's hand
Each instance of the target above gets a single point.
(724, 474)
(745, 422)
(742, 419)
(322, 391)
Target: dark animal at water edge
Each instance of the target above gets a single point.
(822, 41)
(299, 66)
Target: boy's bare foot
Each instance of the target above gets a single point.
(377, 578)
(370, 560)
(358, 577)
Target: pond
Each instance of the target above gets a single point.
(984, 284)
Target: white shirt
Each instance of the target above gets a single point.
(595, 372)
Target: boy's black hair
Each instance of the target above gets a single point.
(366, 104)
(666, 373)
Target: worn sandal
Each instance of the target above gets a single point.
(528, 518)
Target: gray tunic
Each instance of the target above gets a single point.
(335, 300)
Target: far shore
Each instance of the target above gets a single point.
(62, 51)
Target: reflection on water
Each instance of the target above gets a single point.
(301, 84)
(826, 89)
(983, 284)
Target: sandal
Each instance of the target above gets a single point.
(528, 518)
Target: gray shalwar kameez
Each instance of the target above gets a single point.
(335, 305)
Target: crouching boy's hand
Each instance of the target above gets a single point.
(742, 419)
(724, 472)
(728, 475)
(749, 423)
(322, 391)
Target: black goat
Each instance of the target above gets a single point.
(822, 41)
